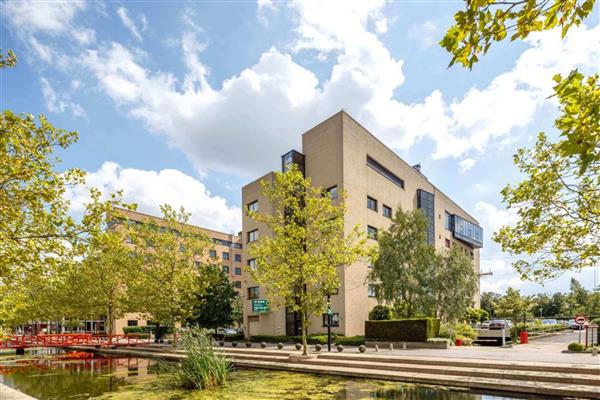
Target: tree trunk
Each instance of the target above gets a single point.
(304, 333)
(109, 327)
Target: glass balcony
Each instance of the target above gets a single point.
(467, 231)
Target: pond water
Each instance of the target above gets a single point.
(47, 376)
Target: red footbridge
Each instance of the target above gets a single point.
(70, 339)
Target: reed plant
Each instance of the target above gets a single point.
(203, 368)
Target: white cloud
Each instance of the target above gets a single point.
(264, 108)
(59, 103)
(427, 33)
(42, 16)
(128, 22)
(466, 165)
(150, 189)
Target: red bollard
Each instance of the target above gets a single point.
(524, 337)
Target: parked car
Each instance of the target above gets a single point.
(500, 324)
(549, 321)
(574, 325)
(485, 325)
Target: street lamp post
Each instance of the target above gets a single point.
(329, 314)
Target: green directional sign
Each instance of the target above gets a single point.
(260, 306)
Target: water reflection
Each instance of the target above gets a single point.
(50, 378)
(47, 377)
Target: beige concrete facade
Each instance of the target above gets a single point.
(227, 250)
(336, 153)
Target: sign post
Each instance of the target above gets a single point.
(580, 320)
(329, 315)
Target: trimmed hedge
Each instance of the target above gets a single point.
(403, 330)
(311, 339)
(349, 340)
(146, 329)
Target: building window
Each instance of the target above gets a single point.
(372, 232)
(385, 172)
(132, 322)
(253, 236)
(387, 211)
(238, 284)
(448, 221)
(425, 201)
(253, 206)
(335, 320)
(371, 203)
(448, 243)
(225, 269)
(238, 257)
(371, 291)
(212, 253)
(238, 271)
(333, 192)
(252, 264)
(225, 256)
(253, 293)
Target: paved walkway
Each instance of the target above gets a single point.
(548, 349)
(8, 393)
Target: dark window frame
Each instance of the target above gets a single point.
(253, 293)
(372, 203)
(371, 229)
(372, 294)
(387, 211)
(335, 320)
(237, 271)
(371, 162)
(252, 206)
(253, 233)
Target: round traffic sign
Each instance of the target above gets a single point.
(580, 320)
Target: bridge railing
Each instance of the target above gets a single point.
(70, 339)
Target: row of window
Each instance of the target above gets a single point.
(236, 270)
(225, 256)
(372, 204)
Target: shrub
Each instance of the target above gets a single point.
(138, 335)
(380, 313)
(203, 368)
(465, 331)
(407, 330)
(350, 340)
(595, 321)
(574, 346)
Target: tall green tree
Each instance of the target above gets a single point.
(169, 257)
(558, 201)
(404, 269)
(454, 285)
(298, 262)
(33, 212)
(488, 302)
(559, 213)
(215, 307)
(7, 60)
(514, 306)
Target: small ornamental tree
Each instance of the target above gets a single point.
(298, 263)
(215, 307)
(402, 272)
(170, 268)
(454, 284)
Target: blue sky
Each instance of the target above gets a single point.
(184, 102)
